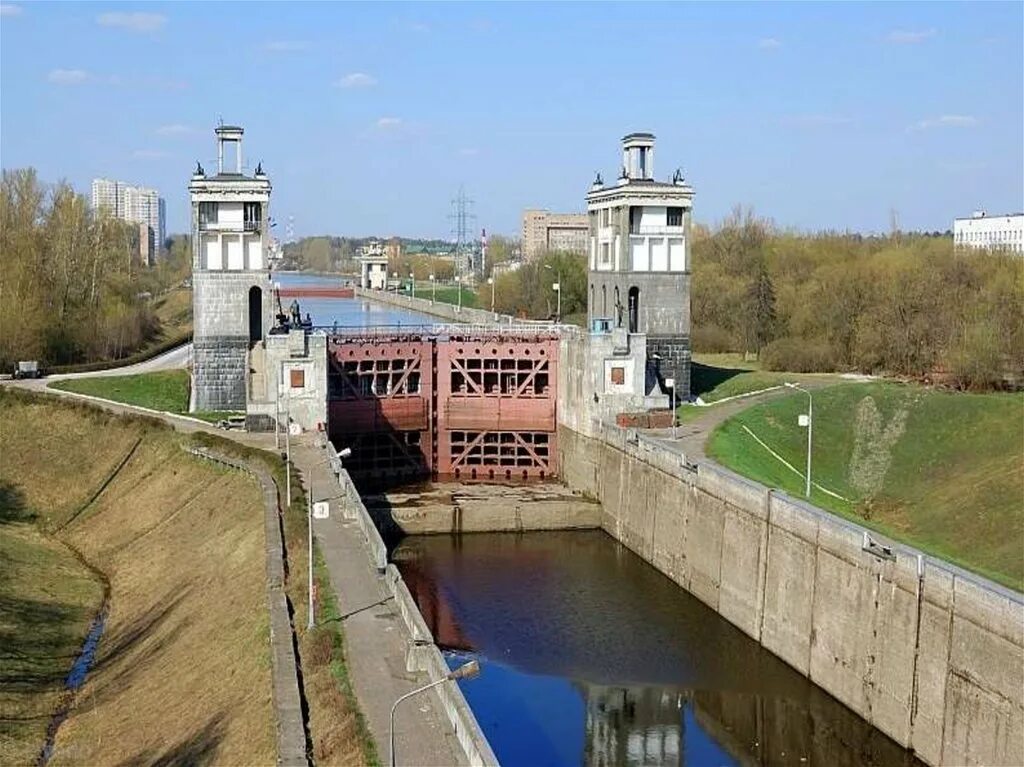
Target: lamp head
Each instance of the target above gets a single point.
(345, 452)
(470, 670)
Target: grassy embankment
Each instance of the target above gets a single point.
(164, 390)
(448, 294)
(715, 377)
(943, 471)
(182, 672)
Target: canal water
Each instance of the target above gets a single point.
(592, 657)
(346, 312)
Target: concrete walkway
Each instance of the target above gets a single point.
(376, 639)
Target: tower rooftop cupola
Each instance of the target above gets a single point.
(229, 137)
(638, 156)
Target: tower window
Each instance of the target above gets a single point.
(675, 217)
(207, 213)
(251, 215)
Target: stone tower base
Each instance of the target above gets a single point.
(220, 372)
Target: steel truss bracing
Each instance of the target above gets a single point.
(467, 404)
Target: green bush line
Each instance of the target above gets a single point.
(133, 359)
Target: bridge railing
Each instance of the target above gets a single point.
(543, 329)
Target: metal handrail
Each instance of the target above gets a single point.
(443, 329)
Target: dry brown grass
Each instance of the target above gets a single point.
(47, 601)
(60, 456)
(182, 674)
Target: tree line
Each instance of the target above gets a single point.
(72, 287)
(904, 304)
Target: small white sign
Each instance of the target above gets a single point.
(321, 510)
(555, 286)
(294, 429)
(803, 419)
(670, 383)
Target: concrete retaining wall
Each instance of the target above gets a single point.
(452, 508)
(930, 654)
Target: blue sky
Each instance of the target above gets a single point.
(368, 117)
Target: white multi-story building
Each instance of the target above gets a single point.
(982, 231)
(136, 204)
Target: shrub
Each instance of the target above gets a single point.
(798, 356)
(712, 339)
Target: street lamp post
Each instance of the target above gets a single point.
(807, 421)
(288, 449)
(412, 282)
(557, 287)
(432, 285)
(309, 526)
(469, 670)
(458, 286)
(490, 281)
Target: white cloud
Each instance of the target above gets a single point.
(389, 122)
(148, 154)
(910, 37)
(356, 80)
(815, 120)
(286, 46)
(10, 9)
(68, 76)
(136, 22)
(174, 129)
(769, 43)
(945, 121)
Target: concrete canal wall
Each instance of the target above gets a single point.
(439, 309)
(930, 654)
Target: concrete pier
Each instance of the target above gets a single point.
(451, 507)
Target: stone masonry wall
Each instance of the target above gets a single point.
(219, 372)
(930, 654)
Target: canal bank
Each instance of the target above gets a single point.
(930, 654)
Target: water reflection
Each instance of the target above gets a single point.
(592, 657)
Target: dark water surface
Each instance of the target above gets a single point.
(346, 312)
(592, 657)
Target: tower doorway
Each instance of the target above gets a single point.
(255, 315)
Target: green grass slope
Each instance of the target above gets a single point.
(940, 470)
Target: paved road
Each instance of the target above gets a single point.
(692, 436)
